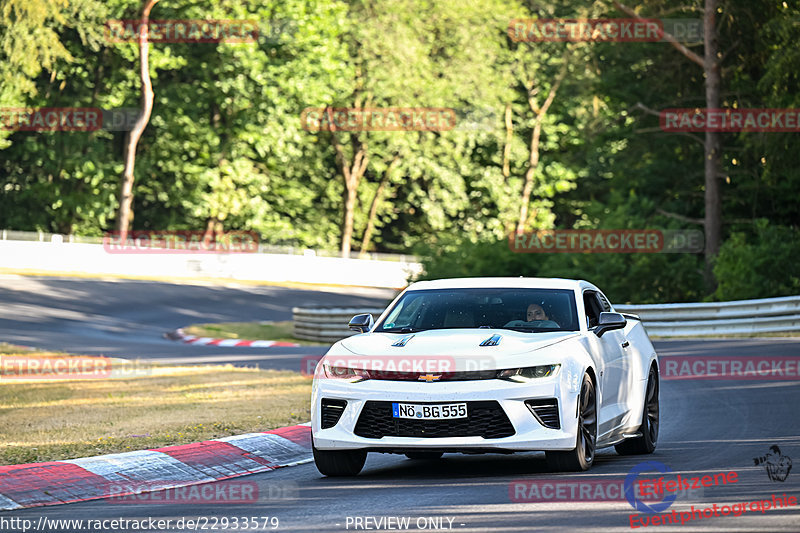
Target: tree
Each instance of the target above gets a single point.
(411, 56)
(126, 185)
(711, 65)
(30, 42)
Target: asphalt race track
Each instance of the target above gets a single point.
(129, 318)
(707, 427)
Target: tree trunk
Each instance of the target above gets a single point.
(214, 229)
(352, 175)
(710, 62)
(533, 163)
(373, 208)
(124, 214)
(509, 138)
(349, 215)
(713, 145)
(533, 158)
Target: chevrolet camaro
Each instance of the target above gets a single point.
(488, 365)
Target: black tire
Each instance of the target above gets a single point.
(649, 428)
(336, 463)
(424, 456)
(582, 456)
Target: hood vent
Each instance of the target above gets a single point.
(494, 340)
(402, 342)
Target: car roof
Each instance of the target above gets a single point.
(520, 282)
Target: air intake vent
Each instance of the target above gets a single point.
(494, 340)
(331, 412)
(546, 412)
(484, 419)
(403, 341)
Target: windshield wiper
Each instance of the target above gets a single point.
(403, 329)
(531, 329)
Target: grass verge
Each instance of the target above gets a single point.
(142, 406)
(270, 331)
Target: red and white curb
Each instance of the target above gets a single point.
(92, 478)
(179, 335)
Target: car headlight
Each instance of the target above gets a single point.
(522, 375)
(342, 372)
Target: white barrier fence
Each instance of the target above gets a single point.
(57, 256)
(768, 315)
(326, 325)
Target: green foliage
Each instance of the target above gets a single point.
(625, 278)
(225, 142)
(767, 263)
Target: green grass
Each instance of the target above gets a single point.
(270, 331)
(147, 406)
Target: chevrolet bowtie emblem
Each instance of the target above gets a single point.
(429, 377)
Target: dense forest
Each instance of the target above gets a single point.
(547, 133)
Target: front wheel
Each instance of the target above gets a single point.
(582, 456)
(339, 462)
(646, 443)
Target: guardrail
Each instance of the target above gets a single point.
(326, 325)
(767, 315)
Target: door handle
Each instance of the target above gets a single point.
(626, 344)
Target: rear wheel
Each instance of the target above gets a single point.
(582, 457)
(424, 456)
(646, 443)
(339, 462)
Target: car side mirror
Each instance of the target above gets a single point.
(609, 321)
(361, 323)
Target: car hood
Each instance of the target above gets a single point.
(452, 342)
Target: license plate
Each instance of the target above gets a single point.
(441, 411)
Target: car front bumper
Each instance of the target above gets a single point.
(529, 433)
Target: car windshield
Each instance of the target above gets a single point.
(527, 310)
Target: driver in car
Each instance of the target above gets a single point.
(536, 317)
(535, 312)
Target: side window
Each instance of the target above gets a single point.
(592, 308)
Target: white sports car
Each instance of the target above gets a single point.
(488, 365)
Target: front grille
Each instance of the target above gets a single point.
(465, 375)
(331, 412)
(484, 419)
(546, 412)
